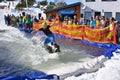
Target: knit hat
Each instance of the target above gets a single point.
(44, 24)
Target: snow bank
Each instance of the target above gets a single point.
(110, 70)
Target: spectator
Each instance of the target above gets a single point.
(112, 23)
(97, 22)
(75, 21)
(106, 22)
(35, 19)
(102, 21)
(49, 17)
(92, 23)
(82, 21)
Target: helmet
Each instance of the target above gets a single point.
(44, 24)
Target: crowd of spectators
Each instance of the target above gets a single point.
(25, 21)
(68, 20)
(21, 21)
(99, 22)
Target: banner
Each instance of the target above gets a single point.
(104, 35)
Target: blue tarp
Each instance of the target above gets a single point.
(66, 12)
(110, 46)
(34, 75)
(25, 29)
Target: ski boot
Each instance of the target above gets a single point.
(57, 48)
(49, 49)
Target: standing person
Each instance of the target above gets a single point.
(112, 23)
(75, 21)
(49, 37)
(5, 19)
(92, 23)
(107, 22)
(28, 21)
(118, 32)
(20, 22)
(102, 21)
(97, 19)
(112, 27)
(61, 18)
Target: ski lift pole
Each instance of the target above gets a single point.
(26, 4)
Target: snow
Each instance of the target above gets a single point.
(110, 71)
(3, 4)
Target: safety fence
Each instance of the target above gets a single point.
(84, 32)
